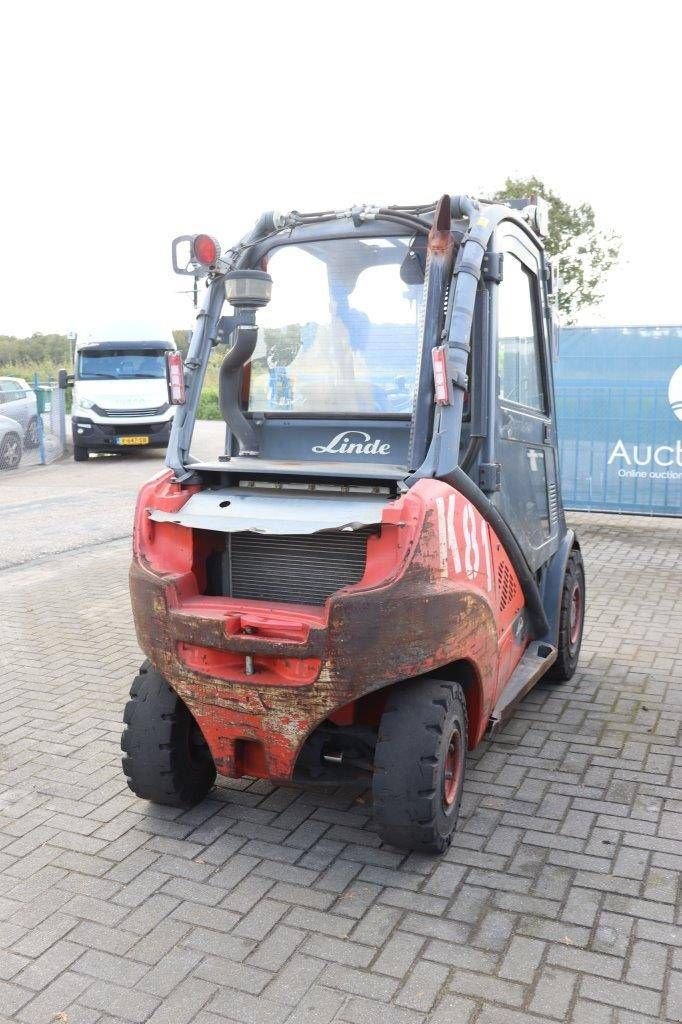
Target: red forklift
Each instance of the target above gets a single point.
(374, 567)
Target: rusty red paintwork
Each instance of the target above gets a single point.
(437, 589)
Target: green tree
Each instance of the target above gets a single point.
(585, 253)
(38, 352)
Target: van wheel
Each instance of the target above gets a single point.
(80, 454)
(419, 764)
(10, 451)
(31, 439)
(166, 759)
(571, 619)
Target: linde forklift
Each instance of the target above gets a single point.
(374, 568)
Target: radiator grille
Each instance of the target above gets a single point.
(296, 569)
(131, 413)
(553, 505)
(506, 586)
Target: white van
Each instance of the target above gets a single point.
(120, 396)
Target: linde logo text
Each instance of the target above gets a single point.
(347, 443)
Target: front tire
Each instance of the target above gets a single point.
(571, 619)
(419, 764)
(166, 759)
(80, 454)
(31, 439)
(10, 451)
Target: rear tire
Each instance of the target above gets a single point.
(571, 619)
(166, 759)
(80, 454)
(419, 764)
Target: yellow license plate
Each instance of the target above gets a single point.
(133, 439)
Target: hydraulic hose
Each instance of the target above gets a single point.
(472, 450)
(407, 217)
(264, 226)
(463, 206)
(270, 224)
(414, 210)
(458, 479)
(404, 218)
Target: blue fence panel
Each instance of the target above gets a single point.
(619, 410)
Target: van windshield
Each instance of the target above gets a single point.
(341, 333)
(121, 364)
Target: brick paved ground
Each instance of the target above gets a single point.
(557, 902)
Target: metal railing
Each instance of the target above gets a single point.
(50, 440)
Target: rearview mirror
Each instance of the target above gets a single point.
(64, 379)
(413, 267)
(552, 277)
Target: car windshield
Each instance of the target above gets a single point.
(121, 364)
(341, 333)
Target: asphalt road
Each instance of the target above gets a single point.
(46, 510)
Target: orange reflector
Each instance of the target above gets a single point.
(441, 391)
(176, 378)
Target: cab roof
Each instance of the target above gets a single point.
(132, 346)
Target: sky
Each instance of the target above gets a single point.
(126, 124)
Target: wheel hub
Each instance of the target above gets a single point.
(9, 453)
(575, 621)
(452, 774)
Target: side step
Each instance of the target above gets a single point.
(537, 658)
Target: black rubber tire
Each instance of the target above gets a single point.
(166, 759)
(80, 454)
(10, 451)
(31, 438)
(420, 719)
(564, 667)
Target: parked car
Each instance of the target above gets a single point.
(10, 443)
(18, 401)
